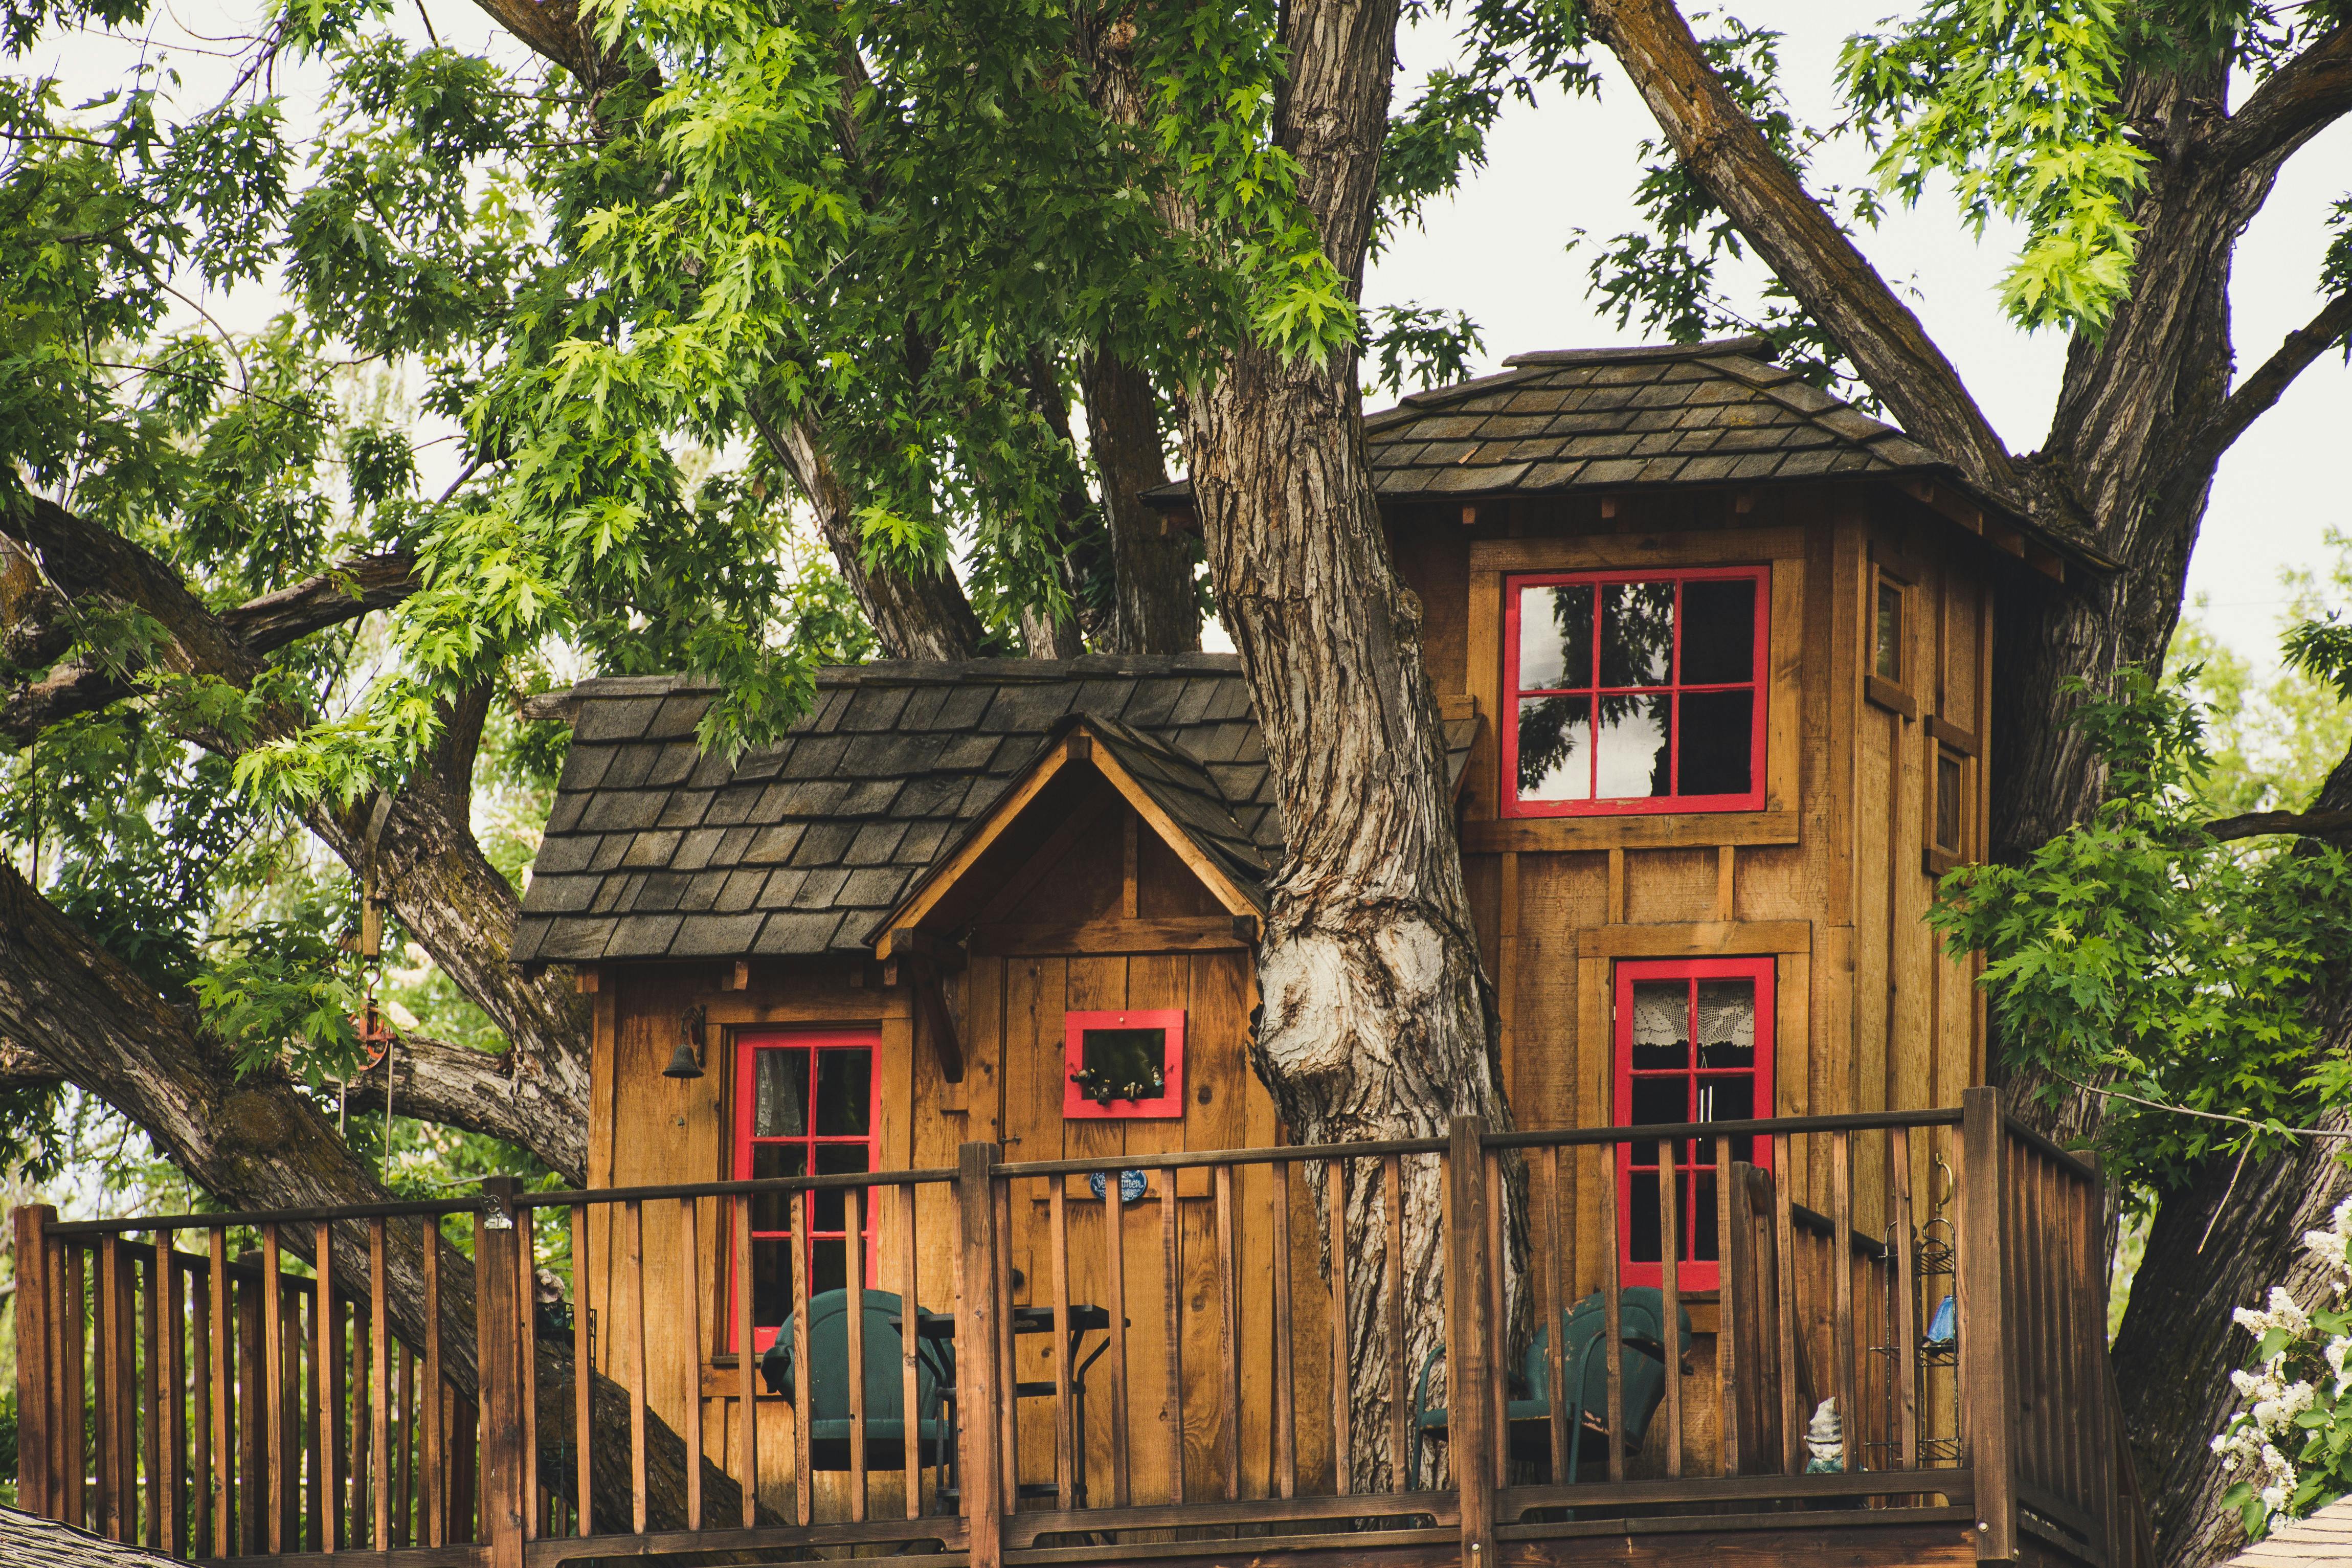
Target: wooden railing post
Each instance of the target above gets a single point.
(1468, 1414)
(37, 1379)
(978, 1458)
(1986, 1398)
(500, 1342)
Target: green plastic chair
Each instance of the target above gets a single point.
(885, 1427)
(1584, 1375)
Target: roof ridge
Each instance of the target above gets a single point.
(1754, 346)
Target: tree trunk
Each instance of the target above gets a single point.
(1156, 609)
(259, 1144)
(1376, 1017)
(2219, 1242)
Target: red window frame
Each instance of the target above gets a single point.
(749, 1044)
(1693, 1158)
(1167, 1102)
(1507, 722)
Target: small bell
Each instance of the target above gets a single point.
(687, 1060)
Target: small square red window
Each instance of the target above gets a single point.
(806, 1104)
(1635, 693)
(1123, 1064)
(1694, 1043)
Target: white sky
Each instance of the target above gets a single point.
(1497, 250)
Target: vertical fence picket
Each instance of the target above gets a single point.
(1613, 1323)
(746, 1362)
(1727, 1306)
(910, 1348)
(1229, 1330)
(1171, 1266)
(1335, 1206)
(853, 1226)
(170, 1379)
(1670, 1243)
(583, 1372)
(1841, 1292)
(1286, 1387)
(633, 1259)
(1115, 1299)
(688, 1286)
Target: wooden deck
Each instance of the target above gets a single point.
(415, 1405)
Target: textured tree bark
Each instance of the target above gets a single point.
(1156, 609)
(1377, 1017)
(2217, 1243)
(2176, 1335)
(68, 1004)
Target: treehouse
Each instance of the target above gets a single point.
(933, 1203)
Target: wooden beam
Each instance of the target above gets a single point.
(931, 1005)
(1165, 933)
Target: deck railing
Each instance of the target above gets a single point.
(1128, 1368)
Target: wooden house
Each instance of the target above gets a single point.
(1715, 654)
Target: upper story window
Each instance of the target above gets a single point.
(1634, 691)
(804, 1105)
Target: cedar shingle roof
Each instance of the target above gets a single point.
(653, 850)
(2325, 1538)
(27, 1541)
(1566, 420)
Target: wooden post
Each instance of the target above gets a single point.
(978, 1455)
(38, 1375)
(1469, 1415)
(1990, 1411)
(499, 1344)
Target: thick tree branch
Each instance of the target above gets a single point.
(342, 593)
(256, 1144)
(1726, 153)
(913, 617)
(2295, 103)
(2259, 392)
(2255, 824)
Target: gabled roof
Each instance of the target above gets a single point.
(1570, 420)
(654, 850)
(1171, 792)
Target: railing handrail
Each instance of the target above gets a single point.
(1999, 1160)
(1178, 1160)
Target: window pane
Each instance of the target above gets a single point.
(1727, 1023)
(1702, 1218)
(1887, 658)
(773, 1211)
(780, 1106)
(1657, 1100)
(834, 1160)
(1555, 637)
(1948, 802)
(1631, 751)
(1718, 630)
(1637, 633)
(1642, 1219)
(828, 1268)
(1718, 742)
(1661, 1024)
(771, 1282)
(842, 1099)
(1554, 761)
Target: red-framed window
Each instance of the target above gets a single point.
(1694, 1043)
(1634, 691)
(805, 1103)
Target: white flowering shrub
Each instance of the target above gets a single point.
(2290, 1445)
